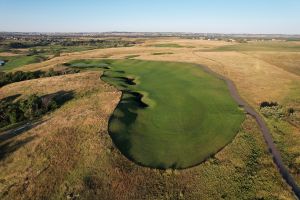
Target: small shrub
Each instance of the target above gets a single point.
(32, 52)
(268, 104)
(272, 109)
(290, 111)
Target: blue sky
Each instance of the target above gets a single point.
(218, 16)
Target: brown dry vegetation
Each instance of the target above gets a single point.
(289, 61)
(8, 54)
(71, 153)
(80, 83)
(199, 44)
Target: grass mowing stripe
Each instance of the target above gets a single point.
(171, 115)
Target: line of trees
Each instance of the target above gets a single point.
(67, 42)
(99, 43)
(7, 78)
(22, 45)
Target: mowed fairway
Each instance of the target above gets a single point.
(171, 115)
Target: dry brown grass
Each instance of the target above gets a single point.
(8, 54)
(289, 61)
(197, 43)
(49, 148)
(81, 83)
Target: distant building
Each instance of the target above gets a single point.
(2, 62)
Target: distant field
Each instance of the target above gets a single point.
(168, 111)
(64, 49)
(288, 61)
(168, 45)
(13, 62)
(261, 46)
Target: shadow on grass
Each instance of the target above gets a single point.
(86, 65)
(10, 98)
(60, 97)
(123, 81)
(11, 146)
(128, 106)
(125, 114)
(18, 131)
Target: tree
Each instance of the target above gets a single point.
(31, 106)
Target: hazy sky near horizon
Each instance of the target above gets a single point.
(217, 16)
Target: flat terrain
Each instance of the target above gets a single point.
(168, 111)
(70, 155)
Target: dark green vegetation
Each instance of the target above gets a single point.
(131, 56)
(268, 104)
(34, 106)
(171, 115)
(67, 46)
(171, 45)
(168, 45)
(11, 77)
(162, 53)
(65, 42)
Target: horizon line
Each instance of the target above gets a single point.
(164, 32)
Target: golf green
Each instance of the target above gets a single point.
(171, 115)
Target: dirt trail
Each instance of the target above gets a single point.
(266, 133)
